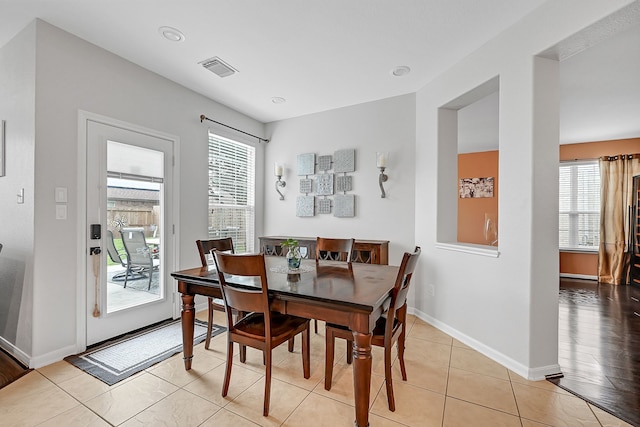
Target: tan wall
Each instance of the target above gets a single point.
(471, 211)
(587, 263)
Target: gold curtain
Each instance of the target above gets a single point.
(616, 175)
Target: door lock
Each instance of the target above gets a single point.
(94, 251)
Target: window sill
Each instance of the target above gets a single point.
(470, 248)
(579, 251)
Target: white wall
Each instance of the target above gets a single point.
(386, 125)
(507, 306)
(17, 95)
(72, 75)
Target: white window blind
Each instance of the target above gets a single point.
(232, 192)
(579, 227)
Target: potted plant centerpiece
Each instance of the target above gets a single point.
(293, 252)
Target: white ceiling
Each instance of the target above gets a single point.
(318, 54)
(326, 54)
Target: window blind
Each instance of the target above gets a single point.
(232, 192)
(579, 220)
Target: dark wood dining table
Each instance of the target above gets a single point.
(353, 296)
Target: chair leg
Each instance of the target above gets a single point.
(328, 359)
(292, 342)
(349, 352)
(267, 382)
(126, 277)
(306, 350)
(387, 378)
(227, 372)
(150, 277)
(209, 323)
(315, 325)
(243, 353)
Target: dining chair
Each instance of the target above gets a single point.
(389, 329)
(260, 328)
(204, 249)
(139, 257)
(332, 250)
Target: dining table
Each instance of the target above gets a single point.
(354, 295)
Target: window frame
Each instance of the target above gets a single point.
(574, 212)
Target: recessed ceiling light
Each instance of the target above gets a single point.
(171, 34)
(278, 100)
(401, 70)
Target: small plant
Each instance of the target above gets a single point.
(293, 253)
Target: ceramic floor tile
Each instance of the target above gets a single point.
(429, 352)
(457, 343)
(543, 384)
(342, 385)
(78, 416)
(61, 371)
(460, 413)
(423, 374)
(209, 386)
(553, 408)
(377, 356)
(285, 398)
(608, 420)
(178, 409)
(224, 418)
(482, 390)
(529, 423)
(320, 411)
(84, 387)
(290, 371)
(122, 403)
(414, 406)
(173, 371)
(473, 361)
(424, 331)
(31, 400)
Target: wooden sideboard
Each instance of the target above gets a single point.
(365, 251)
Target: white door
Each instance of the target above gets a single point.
(129, 193)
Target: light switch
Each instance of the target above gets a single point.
(61, 211)
(61, 194)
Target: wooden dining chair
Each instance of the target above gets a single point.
(389, 329)
(332, 250)
(260, 328)
(204, 248)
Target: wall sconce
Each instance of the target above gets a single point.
(278, 170)
(381, 163)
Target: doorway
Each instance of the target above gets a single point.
(129, 245)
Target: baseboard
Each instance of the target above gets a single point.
(14, 351)
(52, 357)
(578, 276)
(532, 374)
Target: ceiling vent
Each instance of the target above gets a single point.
(218, 66)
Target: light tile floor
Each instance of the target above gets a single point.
(449, 384)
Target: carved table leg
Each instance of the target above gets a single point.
(188, 316)
(362, 376)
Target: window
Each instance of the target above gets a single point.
(579, 205)
(231, 192)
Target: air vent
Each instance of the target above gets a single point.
(218, 66)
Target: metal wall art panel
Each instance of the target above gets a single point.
(306, 186)
(305, 206)
(324, 206)
(344, 183)
(344, 161)
(324, 163)
(306, 164)
(344, 206)
(324, 184)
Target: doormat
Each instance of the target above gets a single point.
(120, 358)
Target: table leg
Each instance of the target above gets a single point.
(188, 316)
(362, 376)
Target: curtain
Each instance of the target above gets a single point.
(616, 174)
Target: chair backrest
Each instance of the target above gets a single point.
(206, 246)
(135, 244)
(255, 300)
(112, 251)
(401, 287)
(334, 249)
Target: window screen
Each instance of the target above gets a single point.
(579, 227)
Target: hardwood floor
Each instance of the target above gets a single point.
(10, 369)
(599, 345)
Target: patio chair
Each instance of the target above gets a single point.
(116, 257)
(139, 258)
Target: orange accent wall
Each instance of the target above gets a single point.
(471, 211)
(587, 263)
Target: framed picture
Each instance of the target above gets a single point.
(2, 148)
(476, 187)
